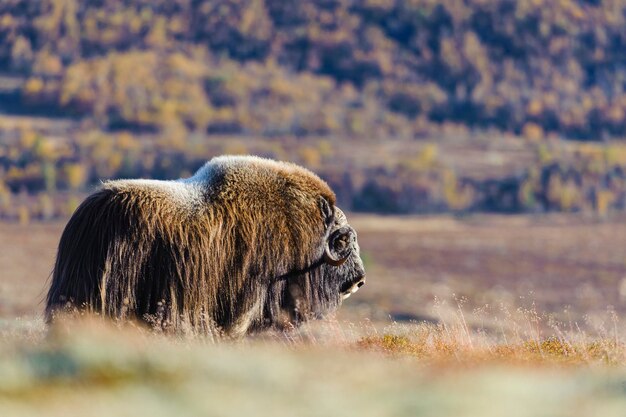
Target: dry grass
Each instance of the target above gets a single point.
(96, 369)
(434, 345)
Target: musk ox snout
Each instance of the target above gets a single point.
(351, 287)
(202, 253)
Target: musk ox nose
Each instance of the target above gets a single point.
(352, 287)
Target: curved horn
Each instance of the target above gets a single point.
(329, 258)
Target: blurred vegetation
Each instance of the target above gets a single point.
(146, 82)
(43, 177)
(95, 369)
(376, 67)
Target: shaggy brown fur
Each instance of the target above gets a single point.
(237, 247)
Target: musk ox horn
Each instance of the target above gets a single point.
(338, 242)
(331, 260)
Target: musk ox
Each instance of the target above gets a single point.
(244, 244)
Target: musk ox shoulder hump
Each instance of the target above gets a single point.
(229, 178)
(232, 176)
(239, 187)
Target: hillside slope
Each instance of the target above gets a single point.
(375, 67)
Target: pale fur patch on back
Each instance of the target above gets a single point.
(184, 194)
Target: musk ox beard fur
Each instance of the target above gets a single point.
(244, 244)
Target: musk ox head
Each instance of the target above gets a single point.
(245, 244)
(339, 273)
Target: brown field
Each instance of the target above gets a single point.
(564, 268)
(568, 267)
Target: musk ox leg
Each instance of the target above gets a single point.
(246, 319)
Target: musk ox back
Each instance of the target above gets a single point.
(245, 244)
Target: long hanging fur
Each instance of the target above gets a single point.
(203, 253)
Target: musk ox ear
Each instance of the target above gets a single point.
(339, 246)
(328, 214)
